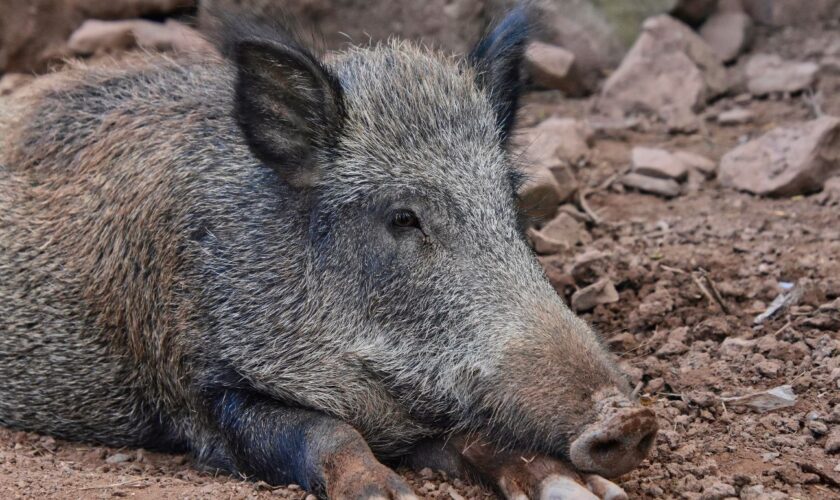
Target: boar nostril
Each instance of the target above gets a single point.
(616, 445)
(646, 442)
(606, 447)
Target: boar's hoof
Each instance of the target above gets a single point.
(374, 481)
(615, 445)
(546, 478)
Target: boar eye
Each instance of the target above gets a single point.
(405, 218)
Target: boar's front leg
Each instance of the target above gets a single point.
(517, 476)
(259, 437)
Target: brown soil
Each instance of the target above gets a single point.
(669, 335)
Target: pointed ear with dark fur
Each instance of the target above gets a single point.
(498, 58)
(288, 105)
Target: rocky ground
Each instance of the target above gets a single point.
(709, 294)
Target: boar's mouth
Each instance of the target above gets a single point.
(430, 410)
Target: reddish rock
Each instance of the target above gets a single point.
(697, 162)
(769, 73)
(540, 195)
(600, 292)
(555, 140)
(658, 163)
(670, 72)
(552, 67)
(11, 82)
(728, 34)
(95, 37)
(735, 116)
(561, 233)
(667, 188)
(786, 161)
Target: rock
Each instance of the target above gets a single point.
(734, 346)
(768, 368)
(830, 194)
(597, 33)
(790, 12)
(718, 491)
(555, 139)
(95, 37)
(697, 162)
(735, 116)
(552, 67)
(589, 266)
(540, 195)
(118, 458)
(670, 72)
(11, 82)
(667, 188)
(565, 179)
(35, 37)
(785, 161)
(728, 34)
(561, 233)
(832, 444)
(657, 163)
(600, 292)
(675, 343)
(768, 73)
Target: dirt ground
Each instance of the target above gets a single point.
(684, 352)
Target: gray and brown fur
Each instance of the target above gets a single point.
(164, 278)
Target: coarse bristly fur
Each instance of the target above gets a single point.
(182, 238)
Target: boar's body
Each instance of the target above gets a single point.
(277, 263)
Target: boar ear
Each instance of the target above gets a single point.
(288, 105)
(497, 58)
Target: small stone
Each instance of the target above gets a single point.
(657, 163)
(539, 196)
(728, 34)
(555, 140)
(817, 428)
(600, 292)
(832, 443)
(697, 162)
(426, 473)
(118, 458)
(718, 491)
(566, 180)
(667, 188)
(675, 343)
(561, 233)
(769, 368)
(655, 385)
(735, 116)
(552, 67)
(11, 82)
(769, 73)
(96, 37)
(733, 346)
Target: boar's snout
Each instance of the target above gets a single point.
(615, 445)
